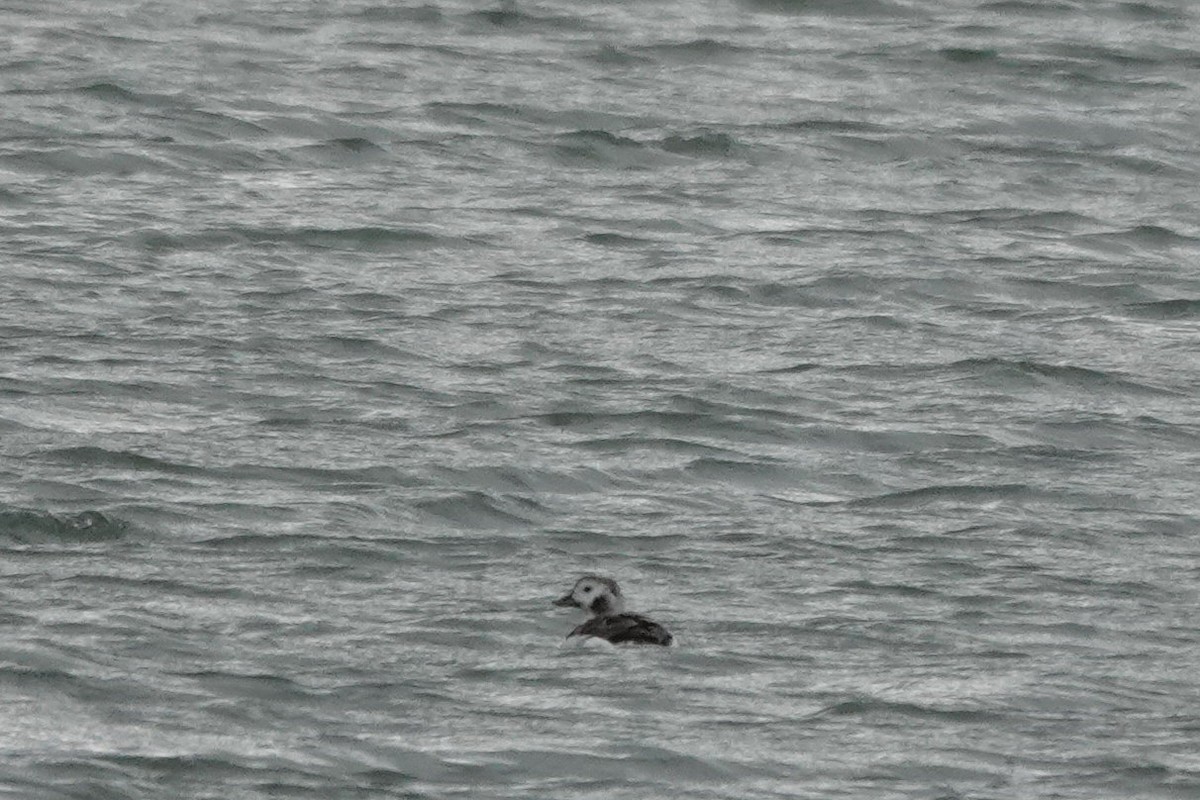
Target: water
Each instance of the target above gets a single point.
(856, 339)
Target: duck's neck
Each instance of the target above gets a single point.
(606, 606)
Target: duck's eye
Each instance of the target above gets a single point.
(587, 589)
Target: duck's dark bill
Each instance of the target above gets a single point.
(566, 600)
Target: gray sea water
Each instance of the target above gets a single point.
(858, 339)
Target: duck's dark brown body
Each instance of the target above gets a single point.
(622, 628)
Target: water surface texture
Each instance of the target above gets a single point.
(859, 339)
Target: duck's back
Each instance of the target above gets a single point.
(622, 628)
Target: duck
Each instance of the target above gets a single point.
(601, 598)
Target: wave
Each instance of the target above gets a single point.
(756, 474)
(705, 145)
(10, 198)
(791, 369)
(511, 16)
(353, 239)
(525, 116)
(1032, 373)
(338, 151)
(476, 509)
(833, 8)
(115, 93)
(30, 526)
(1037, 291)
(87, 162)
(527, 479)
(692, 425)
(1139, 236)
(612, 55)
(122, 459)
(822, 125)
(968, 55)
(630, 443)
(594, 147)
(313, 476)
(603, 148)
(423, 14)
(952, 493)
(1124, 57)
(877, 707)
(1030, 8)
(165, 587)
(696, 50)
(609, 239)
(1180, 308)
(251, 686)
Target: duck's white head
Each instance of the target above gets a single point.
(599, 596)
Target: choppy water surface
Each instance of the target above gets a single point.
(858, 340)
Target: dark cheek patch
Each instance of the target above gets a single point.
(600, 605)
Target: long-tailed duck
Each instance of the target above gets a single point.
(601, 597)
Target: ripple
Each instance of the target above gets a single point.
(29, 526)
